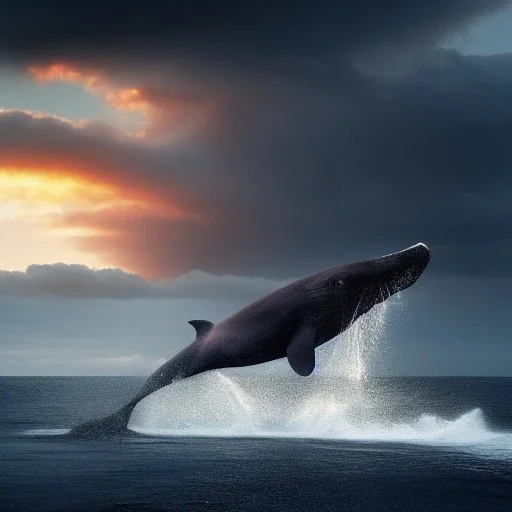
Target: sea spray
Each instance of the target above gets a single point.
(360, 351)
(221, 403)
(340, 401)
(225, 404)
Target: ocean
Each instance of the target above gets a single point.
(227, 441)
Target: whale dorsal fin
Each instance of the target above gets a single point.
(202, 327)
(301, 350)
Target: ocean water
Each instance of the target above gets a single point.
(229, 441)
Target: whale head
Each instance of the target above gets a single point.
(341, 294)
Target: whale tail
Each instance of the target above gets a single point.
(114, 425)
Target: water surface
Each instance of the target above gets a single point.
(229, 442)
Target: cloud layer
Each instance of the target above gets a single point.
(278, 141)
(247, 30)
(79, 282)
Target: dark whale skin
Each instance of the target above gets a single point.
(290, 322)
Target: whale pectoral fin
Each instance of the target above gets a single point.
(202, 327)
(301, 351)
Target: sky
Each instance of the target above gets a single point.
(168, 162)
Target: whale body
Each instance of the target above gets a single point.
(290, 322)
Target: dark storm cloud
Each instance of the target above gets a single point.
(308, 161)
(55, 29)
(303, 181)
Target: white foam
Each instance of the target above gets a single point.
(216, 404)
(339, 404)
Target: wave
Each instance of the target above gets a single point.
(215, 404)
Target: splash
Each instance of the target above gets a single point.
(224, 404)
(353, 353)
(341, 402)
(241, 398)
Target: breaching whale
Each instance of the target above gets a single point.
(290, 322)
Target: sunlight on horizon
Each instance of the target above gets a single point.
(32, 209)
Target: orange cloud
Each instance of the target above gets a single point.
(47, 190)
(54, 185)
(30, 201)
(53, 172)
(67, 73)
(128, 99)
(95, 82)
(46, 206)
(37, 145)
(45, 198)
(164, 113)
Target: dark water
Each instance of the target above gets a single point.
(400, 445)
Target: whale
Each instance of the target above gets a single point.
(290, 322)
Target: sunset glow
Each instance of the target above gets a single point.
(127, 99)
(130, 98)
(50, 192)
(172, 116)
(85, 192)
(66, 73)
(36, 212)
